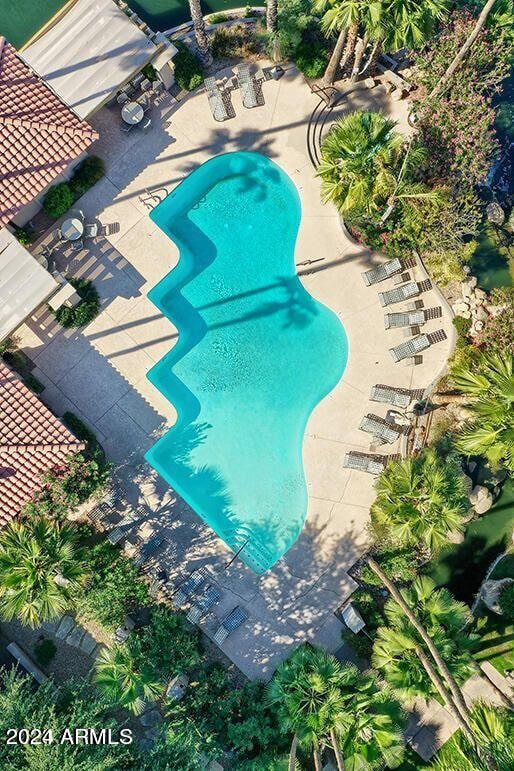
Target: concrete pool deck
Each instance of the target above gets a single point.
(99, 373)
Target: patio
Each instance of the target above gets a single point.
(99, 373)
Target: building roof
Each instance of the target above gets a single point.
(39, 135)
(32, 442)
(24, 283)
(89, 53)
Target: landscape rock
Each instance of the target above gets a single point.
(151, 718)
(480, 294)
(481, 499)
(65, 627)
(481, 314)
(472, 466)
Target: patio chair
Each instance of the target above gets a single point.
(379, 428)
(77, 245)
(189, 586)
(122, 98)
(247, 86)
(97, 514)
(398, 397)
(381, 272)
(203, 604)
(122, 527)
(90, 230)
(407, 319)
(360, 461)
(410, 348)
(148, 549)
(399, 294)
(234, 620)
(146, 85)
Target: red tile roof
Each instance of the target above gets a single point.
(32, 442)
(39, 135)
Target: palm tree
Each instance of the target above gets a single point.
(495, 729)
(271, 16)
(341, 17)
(123, 681)
(322, 702)
(461, 55)
(490, 388)
(358, 158)
(202, 39)
(420, 501)
(449, 691)
(41, 569)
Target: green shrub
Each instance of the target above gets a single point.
(149, 72)
(169, 645)
(115, 589)
(311, 59)
(82, 432)
(360, 643)
(25, 236)
(399, 565)
(87, 174)
(218, 18)
(85, 311)
(15, 359)
(188, 70)
(45, 651)
(507, 602)
(34, 384)
(58, 200)
(462, 325)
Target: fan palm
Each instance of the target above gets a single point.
(490, 388)
(420, 501)
(123, 681)
(358, 161)
(341, 17)
(41, 567)
(322, 702)
(397, 645)
(495, 729)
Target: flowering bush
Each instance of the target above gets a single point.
(457, 123)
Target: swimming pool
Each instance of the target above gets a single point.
(255, 354)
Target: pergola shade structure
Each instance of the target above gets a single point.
(89, 52)
(24, 283)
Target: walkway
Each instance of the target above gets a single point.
(99, 373)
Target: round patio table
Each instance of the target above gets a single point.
(72, 229)
(132, 113)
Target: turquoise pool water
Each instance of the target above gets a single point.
(255, 354)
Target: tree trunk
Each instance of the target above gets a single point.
(292, 753)
(202, 39)
(350, 46)
(359, 53)
(337, 751)
(452, 685)
(335, 60)
(486, 10)
(317, 759)
(371, 64)
(271, 16)
(446, 697)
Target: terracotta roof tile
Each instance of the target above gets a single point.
(39, 135)
(32, 441)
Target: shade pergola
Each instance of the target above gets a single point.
(24, 283)
(87, 54)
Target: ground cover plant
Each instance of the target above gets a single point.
(188, 70)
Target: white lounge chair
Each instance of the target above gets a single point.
(381, 272)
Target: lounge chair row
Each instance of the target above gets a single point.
(413, 347)
(219, 96)
(412, 318)
(367, 462)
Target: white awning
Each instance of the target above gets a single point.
(89, 53)
(24, 283)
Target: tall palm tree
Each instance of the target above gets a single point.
(420, 501)
(123, 681)
(490, 388)
(322, 702)
(341, 17)
(449, 691)
(41, 568)
(358, 158)
(462, 53)
(271, 16)
(495, 729)
(202, 38)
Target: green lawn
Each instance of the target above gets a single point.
(461, 567)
